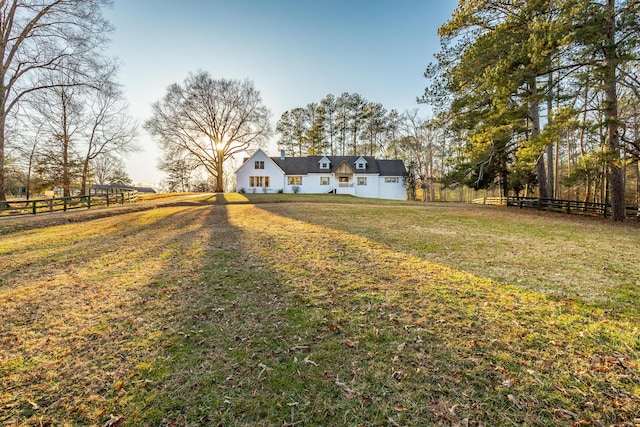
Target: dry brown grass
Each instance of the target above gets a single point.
(82, 304)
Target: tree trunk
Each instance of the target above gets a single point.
(66, 176)
(65, 141)
(612, 141)
(534, 115)
(85, 174)
(3, 120)
(220, 175)
(550, 175)
(638, 183)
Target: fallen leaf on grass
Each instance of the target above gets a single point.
(264, 369)
(344, 387)
(348, 392)
(535, 375)
(352, 344)
(393, 422)
(114, 421)
(566, 413)
(309, 361)
(514, 401)
(232, 381)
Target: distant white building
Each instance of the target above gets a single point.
(361, 176)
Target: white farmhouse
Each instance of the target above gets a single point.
(361, 176)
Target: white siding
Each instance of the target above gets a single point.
(370, 189)
(247, 170)
(311, 184)
(376, 186)
(392, 190)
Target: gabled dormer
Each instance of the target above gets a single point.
(361, 164)
(325, 163)
(344, 168)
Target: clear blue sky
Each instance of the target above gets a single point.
(295, 52)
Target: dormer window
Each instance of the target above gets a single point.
(325, 163)
(361, 163)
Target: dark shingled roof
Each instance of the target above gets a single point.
(311, 164)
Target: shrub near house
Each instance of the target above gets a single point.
(361, 176)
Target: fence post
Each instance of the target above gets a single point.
(64, 204)
(88, 202)
(33, 208)
(107, 196)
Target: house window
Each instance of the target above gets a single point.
(259, 164)
(324, 165)
(360, 165)
(362, 180)
(324, 180)
(258, 181)
(390, 179)
(295, 180)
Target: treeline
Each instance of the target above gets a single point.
(64, 122)
(542, 98)
(338, 126)
(351, 125)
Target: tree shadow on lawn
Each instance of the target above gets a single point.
(555, 256)
(86, 308)
(235, 315)
(458, 340)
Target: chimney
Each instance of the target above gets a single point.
(281, 154)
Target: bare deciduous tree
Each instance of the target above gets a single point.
(89, 120)
(108, 168)
(108, 128)
(37, 35)
(211, 120)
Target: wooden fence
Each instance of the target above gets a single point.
(497, 201)
(569, 206)
(63, 204)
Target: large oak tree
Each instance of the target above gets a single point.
(210, 120)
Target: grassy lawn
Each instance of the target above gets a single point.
(245, 310)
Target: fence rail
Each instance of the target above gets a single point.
(569, 206)
(63, 204)
(497, 201)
